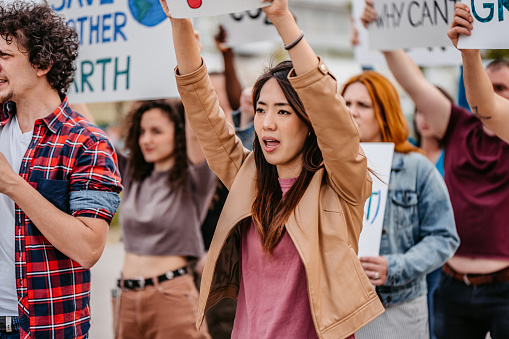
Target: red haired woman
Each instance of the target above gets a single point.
(419, 233)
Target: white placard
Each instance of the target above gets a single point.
(411, 24)
(248, 26)
(200, 8)
(491, 24)
(379, 157)
(432, 56)
(126, 50)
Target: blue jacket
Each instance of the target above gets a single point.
(419, 233)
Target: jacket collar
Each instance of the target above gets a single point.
(58, 117)
(53, 121)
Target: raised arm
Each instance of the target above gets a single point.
(335, 129)
(427, 98)
(193, 148)
(186, 50)
(492, 109)
(232, 84)
(223, 150)
(302, 55)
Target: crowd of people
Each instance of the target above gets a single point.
(242, 208)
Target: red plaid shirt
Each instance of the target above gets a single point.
(73, 165)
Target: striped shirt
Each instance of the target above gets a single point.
(74, 166)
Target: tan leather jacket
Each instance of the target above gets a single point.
(325, 225)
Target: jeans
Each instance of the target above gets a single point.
(470, 312)
(15, 330)
(432, 280)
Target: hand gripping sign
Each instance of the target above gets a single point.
(491, 20)
(200, 8)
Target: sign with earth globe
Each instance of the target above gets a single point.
(147, 12)
(126, 51)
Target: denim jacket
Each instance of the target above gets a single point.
(419, 233)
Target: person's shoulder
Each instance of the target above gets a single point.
(461, 114)
(420, 159)
(416, 161)
(79, 125)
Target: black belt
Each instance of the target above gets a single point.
(7, 324)
(140, 283)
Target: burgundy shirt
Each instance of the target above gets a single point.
(477, 176)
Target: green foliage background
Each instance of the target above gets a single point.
(496, 54)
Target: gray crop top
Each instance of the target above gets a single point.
(157, 220)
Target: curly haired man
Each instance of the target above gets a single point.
(59, 180)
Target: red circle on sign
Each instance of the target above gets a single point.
(194, 3)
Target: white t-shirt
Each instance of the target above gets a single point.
(13, 144)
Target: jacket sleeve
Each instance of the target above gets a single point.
(337, 134)
(436, 236)
(223, 150)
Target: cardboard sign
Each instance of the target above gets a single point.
(432, 56)
(491, 24)
(248, 26)
(126, 50)
(411, 23)
(379, 157)
(200, 8)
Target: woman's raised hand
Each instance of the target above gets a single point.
(278, 9)
(369, 14)
(164, 5)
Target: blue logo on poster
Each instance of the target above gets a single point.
(147, 12)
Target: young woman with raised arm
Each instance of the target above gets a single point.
(167, 189)
(286, 243)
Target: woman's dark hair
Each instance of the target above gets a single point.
(41, 33)
(139, 168)
(270, 209)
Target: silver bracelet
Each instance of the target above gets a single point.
(292, 45)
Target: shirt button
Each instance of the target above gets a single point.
(323, 67)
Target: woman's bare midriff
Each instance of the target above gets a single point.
(147, 266)
(477, 265)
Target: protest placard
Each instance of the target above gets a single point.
(248, 26)
(200, 8)
(379, 157)
(411, 24)
(432, 56)
(491, 24)
(126, 50)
